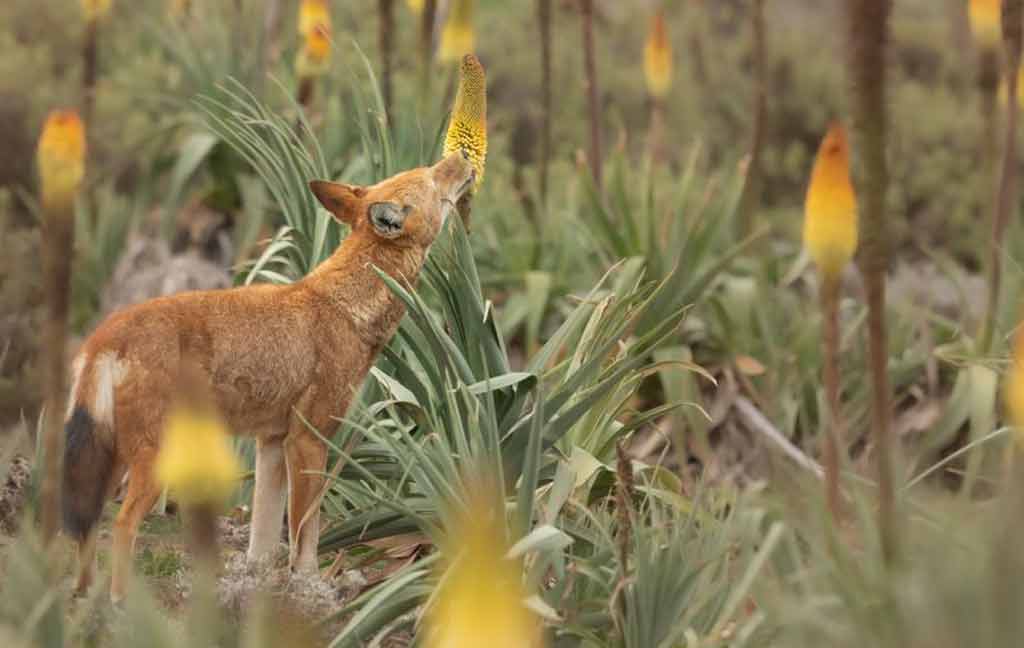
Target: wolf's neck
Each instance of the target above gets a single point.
(348, 281)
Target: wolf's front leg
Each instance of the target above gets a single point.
(267, 499)
(306, 458)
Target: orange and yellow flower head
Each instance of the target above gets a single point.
(315, 55)
(467, 130)
(658, 57)
(458, 37)
(986, 20)
(480, 601)
(196, 459)
(830, 213)
(314, 14)
(93, 10)
(60, 158)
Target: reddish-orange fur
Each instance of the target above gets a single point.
(270, 353)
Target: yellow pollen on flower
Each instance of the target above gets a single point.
(60, 158)
(480, 601)
(458, 37)
(196, 460)
(467, 130)
(314, 14)
(658, 57)
(830, 214)
(986, 19)
(94, 10)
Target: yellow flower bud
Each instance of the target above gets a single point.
(986, 19)
(658, 57)
(830, 215)
(1013, 388)
(415, 5)
(458, 37)
(313, 14)
(480, 600)
(61, 158)
(94, 10)
(196, 460)
(315, 54)
(467, 130)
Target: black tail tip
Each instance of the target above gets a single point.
(88, 463)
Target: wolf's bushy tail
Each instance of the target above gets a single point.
(88, 464)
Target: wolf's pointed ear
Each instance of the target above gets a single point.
(341, 200)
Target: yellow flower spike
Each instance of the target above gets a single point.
(986, 18)
(415, 5)
(830, 215)
(196, 460)
(60, 158)
(314, 14)
(1013, 392)
(658, 57)
(458, 37)
(315, 54)
(467, 130)
(480, 601)
(94, 10)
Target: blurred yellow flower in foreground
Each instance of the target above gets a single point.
(95, 9)
(658, 57)
(480, 601)
(415, 5)
(1013, 394)
(467, 130)
(830, 214)
(315, 54)
(986, 19)
(61, 158)
(313, 14)
(458, 37)
(1020, 89)
(196, 460)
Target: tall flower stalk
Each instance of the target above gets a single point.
(750, 199)
(984, 18)
(830, 236)
(544, 27)
(1006, 191)
(868, 25)
(93, 11)
(467, 127)
(314, 56)
(197, 463)
(385, 29)
(590, 79)
(428, 16)
(658, 74)
(60, 158)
